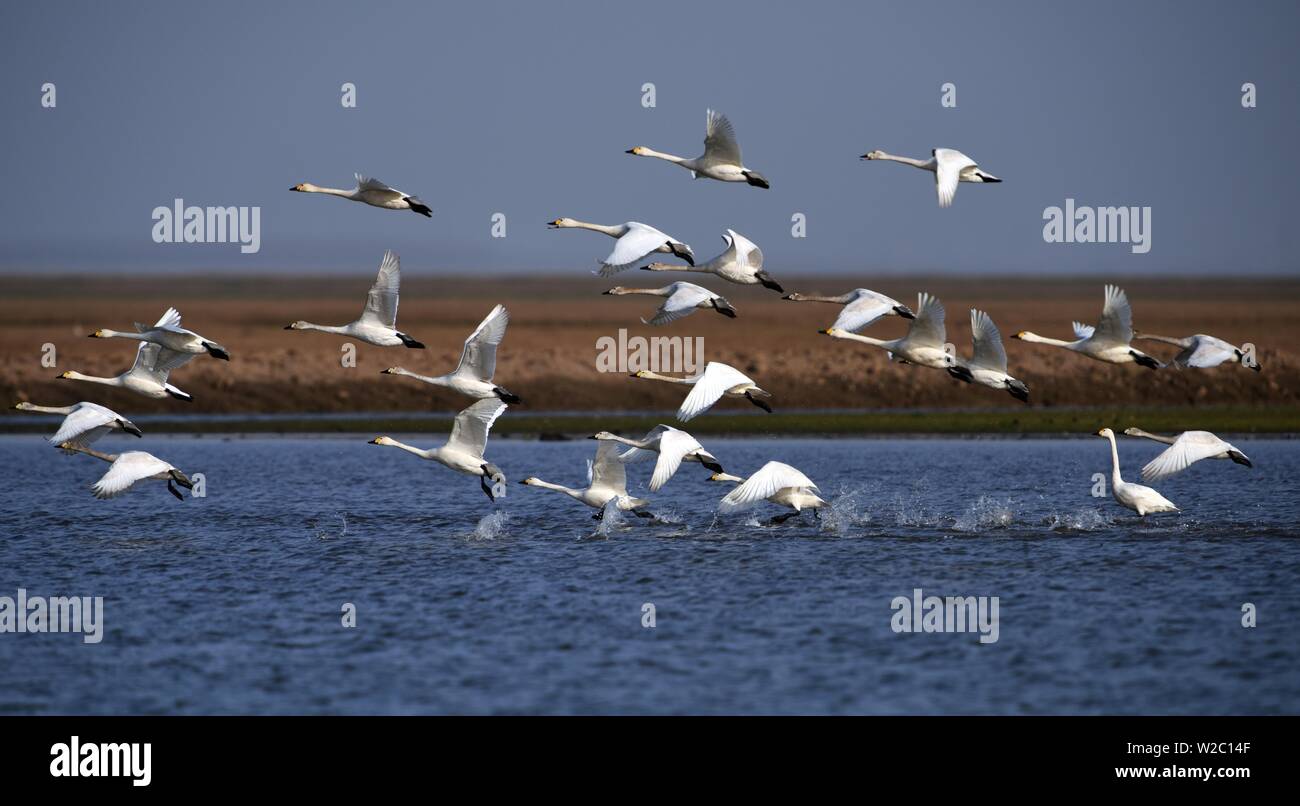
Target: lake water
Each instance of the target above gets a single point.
(232, 603)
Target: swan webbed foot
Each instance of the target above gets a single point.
(172, 489)
(762, 404)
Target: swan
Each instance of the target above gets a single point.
(682, 300)
(372, 192)
(130, 467)
(1140, 499)
(721, 157)
(948, 166)
(1185, 449)
(988, 364)
(1109, 340)
(83, 422)
(671, 446)
(148, 375)
(741, 262)
(463, 451)
(169, 333)
(1202, 351)
(775, 482)
(606, 480)
(862, 306)
(923, 343)
(635, 242)
(717, 380)
(478, 362)
(378, 322)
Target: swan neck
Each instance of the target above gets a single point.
(650, 152)
(915, 163)
(1037, 339)
(1114, 462)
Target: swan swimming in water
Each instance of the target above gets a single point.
(372, 192)
(463, 451)
(83, 422)
(606, 481)
(169, 333)
(721, 158)
(1140, 499)
(1109, 340)
(378, 322)
(777, 483)
(741, 263)
(1202, 351)
(710, 386)
(949, 167)
(682, 300)
(130, 467)
(1185, 450)
(635, 242)
(862, 306)
(478, 362)
(669, 446)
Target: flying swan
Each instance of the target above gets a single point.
(741, 262)
(668, 446)
(1140, 499)
(1109, 340)
(862, 306)
(478, 362)
(1186, 449)
(372, 192)
(635, 242)
(777, 483)
(463, 452)
(148, 375)
(721, 157)
(988, 364)
(169, 333)
(606, 480)
(130, 467)
(682, 300)
(83, 422)
(923, 343)
(948, 166)
(717, 380)
(1202, 351)
(378, 322)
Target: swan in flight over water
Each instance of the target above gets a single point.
(669, 446)
(130, 467)
(83, 422)
(923, 344)
(169, 333)
(372, 192)
(988, 364)
(1140, 499)
(741, 262)
(777, 483)
(606, 481)
(378, 322)
(949, 167)
(1184, 450)
(463, 452)
(1202, 351)
(635, 242)
(682, 300)
(1109, 340)
(717, 380)
(721, 158)
(148, 375)
(478, 362)
(862, 306)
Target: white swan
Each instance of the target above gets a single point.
(169, 333)
(862, 306)
(775, 482)
(1187, 448)
(463, 451)
(717, 380)
(1201, 351)
(988, 363)
(635, 242)
(478, 362)
(378, 322)
(721, 158)
(1109, 340)
(741, 262)
(372, 192)
(1140, 499)
(83, 422)
(148, 375)
(670, 447)
(606, 480)
(949, 167)
(923, 343)
(130, 467)
(682, 300)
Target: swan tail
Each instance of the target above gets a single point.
(768, 282)
(756, 179)
(216, 351)
(407, 341)
(506, 395)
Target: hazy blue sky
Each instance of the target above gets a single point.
(527, 108)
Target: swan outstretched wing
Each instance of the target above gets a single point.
(720, 144)
(479, 358)
(156, 362)
(989, 352)
(607, 469)
(674, 444)
(469, 432)
(767, 482)
(1082, 331)
(1188, 448)
(126, 470)
(1205, 352)
(746, 251)
(866, 307)
(381, 301)
(85, 425)
(927, 328)
(171, 320)
(1116, 325)
(633, 245)
(710, 386)
(948, 165)
(369, 184)
(682, 302)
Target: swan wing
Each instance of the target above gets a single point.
(607, 470)
(1206, 352)
(1189, 448)
(85, 425)
(746, 251)
(126, 470)
(927, 328)
(1116, 325)
(381, 302)
(770, 479)
(720, 144)
(866, 307)
(948, 165)
(633, 245)
(673, 447)
(369, 184)
(709, 387)
(686, 297)
(156, 362)
(989, 351)
(1082, 331)
(479, 358)
(171, 320)
(469, 433)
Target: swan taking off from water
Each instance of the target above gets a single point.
(169, 333)
(478, 362)
(988, 364)
(1140, 499)
(718, 379)
(463, 452)
(1186, 449)
(130, 467)
(948, 166)
(923, 343)
(741, 262)
(1202, 351)
(378, 322)
(372, 192)
(1109, 340)
(721, 157)
(148, 375)
(670, 447)
(683, 299)
(862, 306)
(635, 241)
(83, 422)
(606, 480)
(775, 482)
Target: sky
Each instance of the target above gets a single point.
(526, 109)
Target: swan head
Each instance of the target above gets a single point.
(299, 325)
(617, 290)
(1106, 432)
(382, 441)
(601, 435)
(391, 371)
(640, 373)
(530, 481)
(98, 334)
(828, 331)
(660, 267)
(303, 187)
(69, 375)
(23, 406)
(873, 155)
(638, 150)
(1021, 334)
(560, 223)
(794, 296)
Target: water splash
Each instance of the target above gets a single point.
(491, 526)
(1082, 520)
(844, 512)
(986, 513)
(326, 534)
(611, 519)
